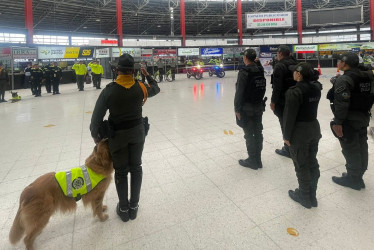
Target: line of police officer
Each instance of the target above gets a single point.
(295, 99)
(50, 74)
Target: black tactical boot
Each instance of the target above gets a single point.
(362, 183)
(250, 163)
(133, 211)
(348, 181)
(284, 151)
(301, 197)
(313, 197)
(123, 213)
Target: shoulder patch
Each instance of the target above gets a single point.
(339, 89)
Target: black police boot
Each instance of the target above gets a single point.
(133, 211)
(123, 213)
(301, 197)
(313, 197)
(284, 151)
(348, 181)
(250, 163)
(362, 183)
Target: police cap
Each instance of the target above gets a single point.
(304, 69)
(126, 61)
(284, 49)
(349, 58)
(250, 54)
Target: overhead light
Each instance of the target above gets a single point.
(219, 24)
(97, 20)
(207, 30)
(158, 26)
(84, 27)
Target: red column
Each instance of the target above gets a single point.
(183, 23)
(299, 21)
(29, 21)
(119, 23)
(372, 19)
(240, 25)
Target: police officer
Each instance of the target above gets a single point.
(352, 103)
(80, 71)
(301, 133)
(160, 66)
(56, 76)
(249, 107)
(27, 82)
(47, 77)
(4, 81)
(36, 80)
(173, 67)
(282, 79)
(97, 72)
(124, 99)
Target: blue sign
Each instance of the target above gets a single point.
(211, 52)
(356, 49)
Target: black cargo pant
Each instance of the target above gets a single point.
(355, 150)
(126, 148)
(173, 70)
(37, 86)
(2, 90)
(279, 109)
(96, 79)
(56, 84)
(303, 151)
(48, 85)
(80, 82)
(252, 120)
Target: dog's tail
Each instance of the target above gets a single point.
(17, 230)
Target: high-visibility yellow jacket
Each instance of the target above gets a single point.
(78, 181)
(97, 69)
(80, 69)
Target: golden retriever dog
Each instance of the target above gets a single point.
(42, 198)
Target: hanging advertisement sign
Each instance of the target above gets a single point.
(134, 52)
(24, 53)
(338, 47)
(51, 52)
(269, 20)
(272, 48)
(71, 52)
(86, 52)
(305, 49)
(164, 53)
(5, 52)
(367, 46)
(233, 51)
(102, 53)
(211, 52)
(188, 52)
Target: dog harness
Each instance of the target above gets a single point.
(78, 181)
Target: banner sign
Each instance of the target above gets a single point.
(24, 53)
(86, 52)
(164, 53)
(188, 52)
(233, 50)
(71, 52)
(271, 48)
(5, 52)
(266, 62)
(51, 52)
(134, 52)
(338, 47)
(366, 46)
(305, 48)
(269, 20)
(102, 53)
(211, 52)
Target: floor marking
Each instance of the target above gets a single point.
(49, 125)
(89, 112)
(231, 133)
(225, 132)
(292, 231)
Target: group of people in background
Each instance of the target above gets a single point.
(82, 72)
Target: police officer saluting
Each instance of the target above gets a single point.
(97, 72)
(124, 98)
(80, 71)
(282, 79)
(352, 102)
(36, 80)
(249, 107)
(56, 76)
(301, 132)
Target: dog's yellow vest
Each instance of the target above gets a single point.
(78, 181)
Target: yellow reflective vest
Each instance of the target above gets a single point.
(80, 69)
(78, 181)
(97, 69)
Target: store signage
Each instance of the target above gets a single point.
(211, 52)
(45, 52)
(71, 52)
(188, 52)
(109, 42)
(269, 20)
(165, 53)
(233, 50)
(134, 52)
(102, 53)
(5, 52)
(338, 47)
(305, 48)
(86, 52)
(367, 46)
(24, 53)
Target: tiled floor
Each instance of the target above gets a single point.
(195, 195)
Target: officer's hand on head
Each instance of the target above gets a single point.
(144, 71)
(272, 106)
(238, 115)
(338, 129)
(287, 142)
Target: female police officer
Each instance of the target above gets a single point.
(302, 133)
(124, 99)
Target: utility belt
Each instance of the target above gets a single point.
(127, 124)
(107, 129)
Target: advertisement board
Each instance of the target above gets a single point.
(211, 52)
(188, 52)
(269, 20)
(86, 52)
(164, 53)
(305, 48)
(51, 52)
(5, 52)
(134, 52)
(338, 47)
(24, 53)
(102, 53)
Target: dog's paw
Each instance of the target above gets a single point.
(104, 217)
(105, 207)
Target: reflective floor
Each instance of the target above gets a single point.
(195, 195)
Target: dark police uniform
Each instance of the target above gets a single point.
(27, 82)
(4, 81)
(56, 75)
(250, 91)
(282, 80)
(352, 103)
(36, 81)
(301, 128)
(47, 77)
(126, 147)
